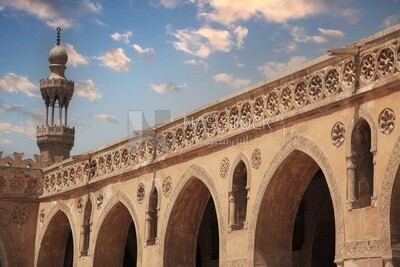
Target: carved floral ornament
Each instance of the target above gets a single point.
(167, 186)
(99, 201)
(337, 134)
(42, 215)
(140, 193)
(256, 158)
(224, 167)
(386, 121)
(79, 206)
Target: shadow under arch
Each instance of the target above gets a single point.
(193, 177)
(119, 208)
(7, 250)
(241, 157)
(64, 208)
(305, 149)
(362, 114)
(392, 177)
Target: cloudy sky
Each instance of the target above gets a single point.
(160, 55)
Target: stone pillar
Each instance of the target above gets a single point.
(60, 114)
(351, 181)
(52, 112)
(82, 246)
(232, 210)
(47, 115)
(148, 226)
(66, 116)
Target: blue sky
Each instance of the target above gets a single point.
(160, 55)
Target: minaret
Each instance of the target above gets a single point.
(56, 139)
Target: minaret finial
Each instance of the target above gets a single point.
(58, 35)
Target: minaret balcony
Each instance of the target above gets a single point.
(55, 130)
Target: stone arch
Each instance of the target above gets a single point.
(238, 198)
(60, 206)
(241, 157)
(7, 251)
(306, 146)
(194, 171)
(386, 199)
(118, 198)
(362, 114)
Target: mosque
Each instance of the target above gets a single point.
(299, 171)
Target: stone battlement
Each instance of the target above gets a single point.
(55, 130)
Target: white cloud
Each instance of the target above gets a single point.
(5, 141)
(195, 62)
(124, 37)
(278, 11)
(161, 88)
(299, 34)
(93, 7)
(351, 15)
(231, 80)
(13, 83)
(202, 42)
(53, 13)
(100, 23)
(87, 89)
(147, 52)
(74, 58)
(290, 47)
(29, 128)
(36, 114)
(332, 33)
(391, 20)
(170, 4)
(1, 8)
(240, 33)
(106, 117)
(271, 68)
(115, 59)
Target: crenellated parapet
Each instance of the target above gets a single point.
(18, 161)
(329, 81)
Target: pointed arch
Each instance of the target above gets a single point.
(238, 193)
(389, 179)
(241, 157)
(197, 172)
(59, 206)
(306, 146)
(119, 198)
(362, 114)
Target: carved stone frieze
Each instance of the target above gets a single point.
(338, 134)
(19, 216)
(140, 194)
(362, 248)
(224, 167)
(167, 186)
(42, 215)
(80, 205)
(386, 121)
(99, 201)
(256, 158)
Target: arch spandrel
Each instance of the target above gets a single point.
(197, 172)
(306, 146)
(8, 255)
(63, 207)
(125, 200)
